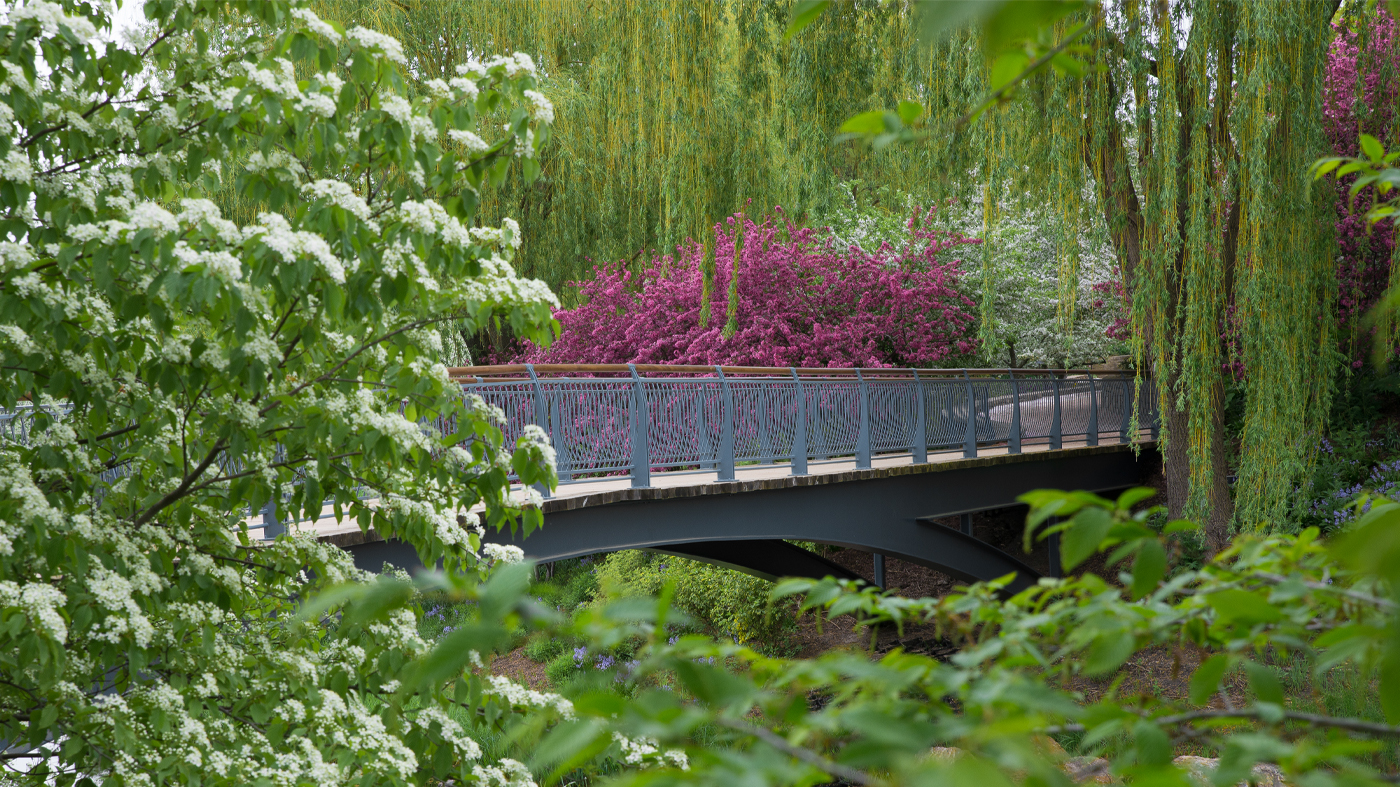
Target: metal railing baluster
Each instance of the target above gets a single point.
(726, 430)
(1056, 438)
(799, 438)
(920, 447)
(541, 415)
(1093, 437)
(970, 435)
(641, 421)
(1013, 437)
(1127, 410)
(863, 430)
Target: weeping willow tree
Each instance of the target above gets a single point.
(1196, 122)
(1189, 134)
(671, 116)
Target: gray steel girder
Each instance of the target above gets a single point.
(881, 514)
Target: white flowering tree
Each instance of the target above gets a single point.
(165, 372)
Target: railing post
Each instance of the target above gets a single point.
(1056, 437)
(799, 438)
(563, 463)
(863, 432)
(1093, 437)
(1128, 386)
(970, 435)
(1154, 412)
(879, 565)
(726, 428)
(272, 525)
(920, 447)
(641, 417)
(1013, 436)
(541, 416)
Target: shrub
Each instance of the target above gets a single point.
(779, 296)
(562, 669)
(189, 367)
(724, 602)
(542, 649)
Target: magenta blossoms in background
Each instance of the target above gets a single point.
(1360, 98)
(799, 301)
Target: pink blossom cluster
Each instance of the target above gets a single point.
(1117, 294)
(1351, 108)
(799, 300)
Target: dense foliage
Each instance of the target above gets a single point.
(1264, 611)
(672, 116)
(1363, 84)
(174, 370)
(723, 603)
(781, 296)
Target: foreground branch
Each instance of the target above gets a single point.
(806, 755)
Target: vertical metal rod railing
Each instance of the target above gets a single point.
(1127, 410)
(799, 437)
(920, 447)
(1013, 438)
(1056, 437)
(726, 428)
(541, 415)
(641, 419)
(970, 433)
(863, 430)
(1093, 437)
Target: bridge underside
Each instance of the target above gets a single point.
(745, 525)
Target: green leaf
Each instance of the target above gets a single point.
(1153, 745)
(1133, 496)
(1322, 166)
(1264, 682)
(1007, 67)
(1108, 652)
(910, 111)
(1389, 688)
(804, 12)
(865, 123)
(1082, 539)
(1372, 147)
(1372, 545)
(937, 20)
(1242, 606)
(1009, 23)
(1205, 681)
(1149, 567)
(1181, 526)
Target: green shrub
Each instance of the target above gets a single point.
(543, 648)
(727, 603)
(561, 669)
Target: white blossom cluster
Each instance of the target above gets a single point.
(173, 367)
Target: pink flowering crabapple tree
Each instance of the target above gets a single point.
(780, 295)
(174, 370)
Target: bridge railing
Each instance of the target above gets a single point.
(608, 420)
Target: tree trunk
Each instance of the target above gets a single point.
(1176, 469)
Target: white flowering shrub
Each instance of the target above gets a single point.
(1030, 323)
(174, 370)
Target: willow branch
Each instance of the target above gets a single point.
(1001, 92)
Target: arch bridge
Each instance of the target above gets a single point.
(729, 464)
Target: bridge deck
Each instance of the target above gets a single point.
(604, 491)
